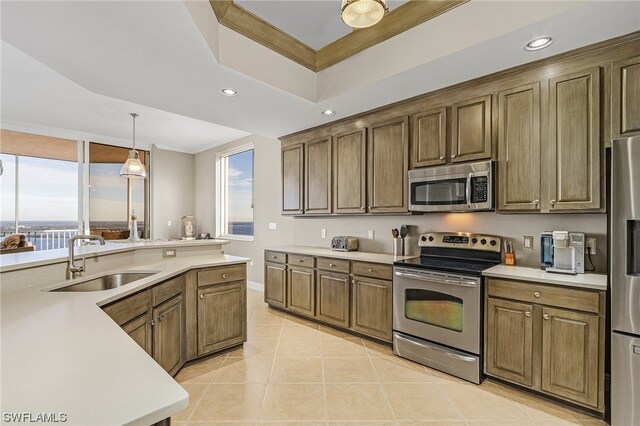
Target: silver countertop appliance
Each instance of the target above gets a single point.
(562, 252)
(625, 282)
(344, 244)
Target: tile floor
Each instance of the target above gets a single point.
(292, 371)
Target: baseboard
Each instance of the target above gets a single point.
(255, 286)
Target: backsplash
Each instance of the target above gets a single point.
(307, 231)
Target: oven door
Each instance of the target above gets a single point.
(439, 307)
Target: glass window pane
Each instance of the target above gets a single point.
(47, 200)
(239, 198)
(8, 195)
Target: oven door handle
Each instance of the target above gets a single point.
(445, 281)
(468, 192)
(452, 354)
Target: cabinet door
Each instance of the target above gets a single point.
(332, 294)
(140, 331)
(371, 307)
(168, 335)
(509, 341)
(317, 181)
(574, 141)
(275, 281)
(349, 172)
(625, 107)
(300, 290)
(388, 164)
(292, 179)
(471, 129)
(429, 142)
(519, 148)
(222, 316)
(570, 355)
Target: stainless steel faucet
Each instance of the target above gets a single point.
(72, 269)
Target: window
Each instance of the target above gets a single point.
(234, 207)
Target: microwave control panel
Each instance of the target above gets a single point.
(479, 189)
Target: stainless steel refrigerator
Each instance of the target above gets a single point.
(625, 282)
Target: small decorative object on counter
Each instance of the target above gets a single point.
(133, 227)
(204, 236)
(188, 227)
(398, 240)
(509, 255)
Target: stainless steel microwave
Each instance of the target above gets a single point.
(456, 188)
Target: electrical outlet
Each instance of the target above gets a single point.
(591, 244)
(527, 242)
(169, 253)
(273, 226)
(324, 233)
(371, 234)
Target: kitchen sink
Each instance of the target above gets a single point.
(107, 282)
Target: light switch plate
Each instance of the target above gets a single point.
(324, 233)
(169, 253)
(371, 234)
(168, 223)
(527, 242)
(273, 225)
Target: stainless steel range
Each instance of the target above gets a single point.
(438, 302)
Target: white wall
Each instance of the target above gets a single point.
(267, 201)
(172, 191)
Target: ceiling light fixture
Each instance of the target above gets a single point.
(133, 167)
(328, 112)
(363, 13)
(538, 43)
(229, 92)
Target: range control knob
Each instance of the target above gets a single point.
(474, 240)
(483, 241)
(430, 238)
(423, 238)
(493, 242)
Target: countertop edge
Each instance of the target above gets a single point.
(522, 273)
(361, 256)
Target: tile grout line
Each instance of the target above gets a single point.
(207, 388)
(268, 384)
(380, 384)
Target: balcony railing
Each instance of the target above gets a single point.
(47, 239)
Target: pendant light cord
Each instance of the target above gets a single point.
(134, 115)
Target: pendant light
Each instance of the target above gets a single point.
(133, 167)
(362, 13)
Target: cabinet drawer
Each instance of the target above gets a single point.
(582, 300)
(374, 270)
(300, 260)
(333, 265)
(274, 256)
(222, 274)
(127, 309)
(166, 291)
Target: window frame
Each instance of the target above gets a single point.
(221, 180)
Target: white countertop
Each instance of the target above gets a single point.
(62, 353)
(349, 255)
(30, 259)
(590, 281)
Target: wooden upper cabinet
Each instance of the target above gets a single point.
(519, 148)
(570, 355)
(625, 102)
(349, 172)
(471, 129)
(388, 165)
(292, 179)
(574, 141)
(317, 189)
(510, 341)
(429, 139)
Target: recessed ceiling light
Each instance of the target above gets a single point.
(538, 43)
(328, 112)
(229, 92)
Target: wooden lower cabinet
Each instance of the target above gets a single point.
(570, 355)
(222, 313)
(550, 341)
(169, 335)
(275, 284)
(371, 307)
(140, 330)
(509, 340)
(301, 290)
(332, 296)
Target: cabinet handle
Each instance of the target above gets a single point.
(545, 316)
(552, 202)
(301, 260)
(331, 265)
(274, 257)
(224, 276)
(201, 296)
(453, 156)
(536, 202)
(362, 208)
(160, 318)
(527, 314)
(370, 269)
(442, 157)
(370, 207)
(153, 323)
(536, 294)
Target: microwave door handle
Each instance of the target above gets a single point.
(468, 190)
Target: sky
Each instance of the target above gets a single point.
(240, 190)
